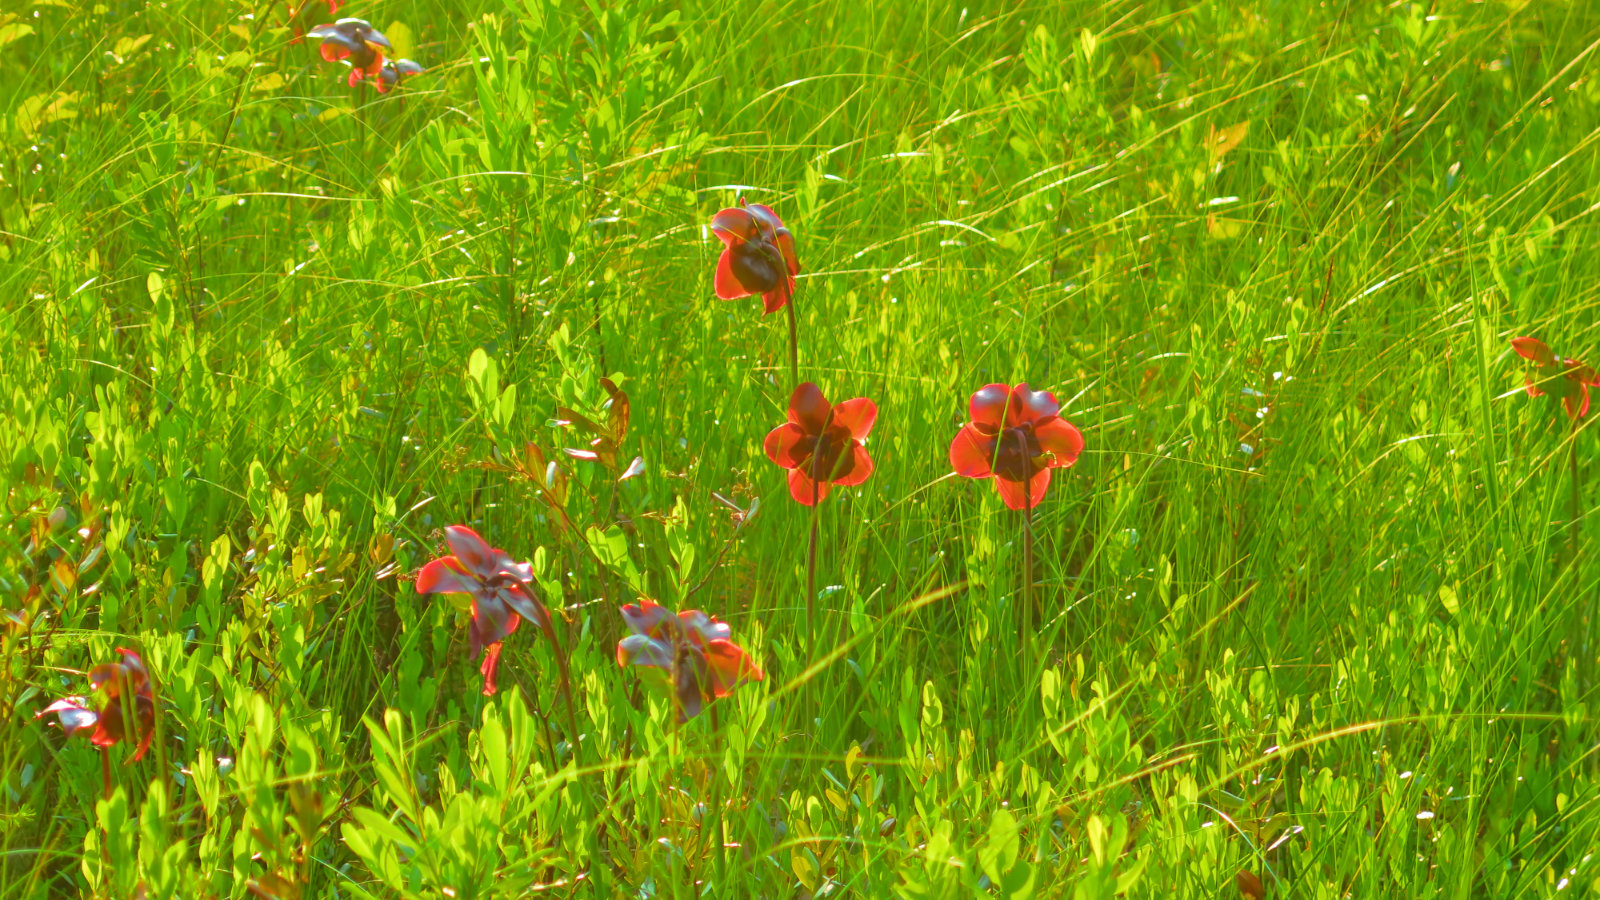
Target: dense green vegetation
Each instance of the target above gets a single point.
(1318, 601)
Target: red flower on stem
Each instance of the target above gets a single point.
(126, 687)
(757, 256)
(1564, 378)
(357, 43)
(498, 588)
(394, 71)
(1016, 436)
(697, 660)
(821, 445)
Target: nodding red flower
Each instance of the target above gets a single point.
(498, 587)
(821, 445)
(1562, 377)
(297, 10)
(126, 686)
(757, 256)
(1016, 436)
(355, 42)
(393, 71)
(697, 659)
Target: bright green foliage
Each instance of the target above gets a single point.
(1314, 604)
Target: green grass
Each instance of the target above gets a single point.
(1315, 604)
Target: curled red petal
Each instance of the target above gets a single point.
(650, 618)
(473, 551)
(808, 408)
(857, 414)
(988, 406)
(972, 452)
(854, 467)
(727, 283)
(332, 52)
(769, 220)
(730, 667)
(805, 491)
(1028, 405)
(1059, 438)
(445, 575)
(523, 604)
(491, 664)
(1533, 389)
(785, 242)
(1573, 400)
(147, 722)
(732, 225)
(772, 301)
(1016, 497)
(783, 445)
(1534, 349)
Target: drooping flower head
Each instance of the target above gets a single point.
(1564, 378)
(1016, 437)
(125, 686)
(497, 586)
(821, 445)
(355, 42)
(694, 653)
(393, 71)
(757, 256)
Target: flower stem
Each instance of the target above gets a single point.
(105, 769)
(566, 688)
(1027, 570)
(794, 339)
(811, 576)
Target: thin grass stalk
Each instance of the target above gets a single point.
(794, 336)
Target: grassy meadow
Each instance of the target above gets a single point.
(1312, 616)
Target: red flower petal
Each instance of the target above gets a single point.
(727, 283)
(702, 628)
(331, 52)
(647, 619)
(732, 225)
(854, 468)
(1061, 438)
(782, 444)
(858, 415)
(1015, 497)
(785, 242)
(971, 453)
(147, 722)
(473, 551)
(1533, 389)
(1571, 400)
(808, 408)
(445, 575)
(988, 406)
(491, 663)
(494, 619)
(772, 301)
(801, 488)
(730, 667)
(523, 604)
(764, 214)
(1534, 349)
(354, 78)
(641, 650)
(1028, 405)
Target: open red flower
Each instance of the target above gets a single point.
(693, 652)
(126, 687)
(497, 586)
(757, 256)
(1564, 378)
(821, 445)
(355, 42)
(1016, 437)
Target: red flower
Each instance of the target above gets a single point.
(122, 684)
(395, 70)
(822, 443)
(1564, 378)
(498, 587)
(355, 42)
(697, 659)
(1017, 437)
(757, 256)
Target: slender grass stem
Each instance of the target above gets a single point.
(1027, 573)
